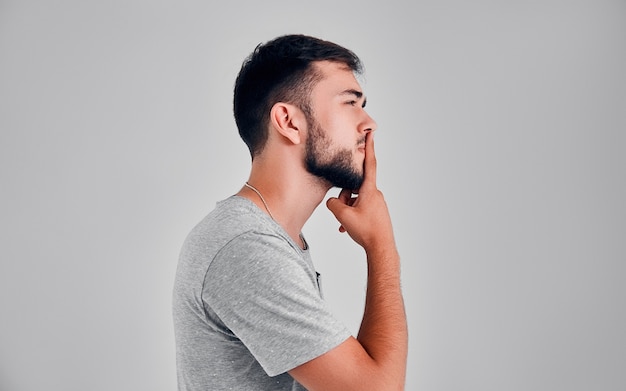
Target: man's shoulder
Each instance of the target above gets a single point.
(234, 208)
(235, 221)
(232, 215)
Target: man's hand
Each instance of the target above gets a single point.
(364, 217)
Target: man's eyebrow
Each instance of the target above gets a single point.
(358, 94)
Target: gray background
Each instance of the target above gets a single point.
(502, 129)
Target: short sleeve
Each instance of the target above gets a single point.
(267, 294)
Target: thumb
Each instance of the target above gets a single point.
(337, 208)
(338, 204)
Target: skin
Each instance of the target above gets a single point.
(376, 359)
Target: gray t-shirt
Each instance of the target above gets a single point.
(247, 304)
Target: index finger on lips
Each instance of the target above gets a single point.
(369, 166)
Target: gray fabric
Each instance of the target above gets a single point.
(247, 304)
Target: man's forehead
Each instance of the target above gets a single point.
(337, 75)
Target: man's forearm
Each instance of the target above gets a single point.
(383, 332)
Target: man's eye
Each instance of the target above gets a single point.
(351, 103)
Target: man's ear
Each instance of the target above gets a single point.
(289, 121)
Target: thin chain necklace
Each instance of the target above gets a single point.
(249, 186)
(254, 189)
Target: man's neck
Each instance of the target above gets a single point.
(286, 193)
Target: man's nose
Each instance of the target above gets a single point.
(369, 125)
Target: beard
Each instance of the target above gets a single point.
(336, 166)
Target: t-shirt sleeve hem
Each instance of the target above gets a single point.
(330, 344)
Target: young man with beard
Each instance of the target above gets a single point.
(248, 311)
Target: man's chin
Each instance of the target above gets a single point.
(337, 176)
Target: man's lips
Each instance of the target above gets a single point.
(361, 144)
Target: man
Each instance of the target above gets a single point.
(248, 311)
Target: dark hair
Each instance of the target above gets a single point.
(280, 71)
